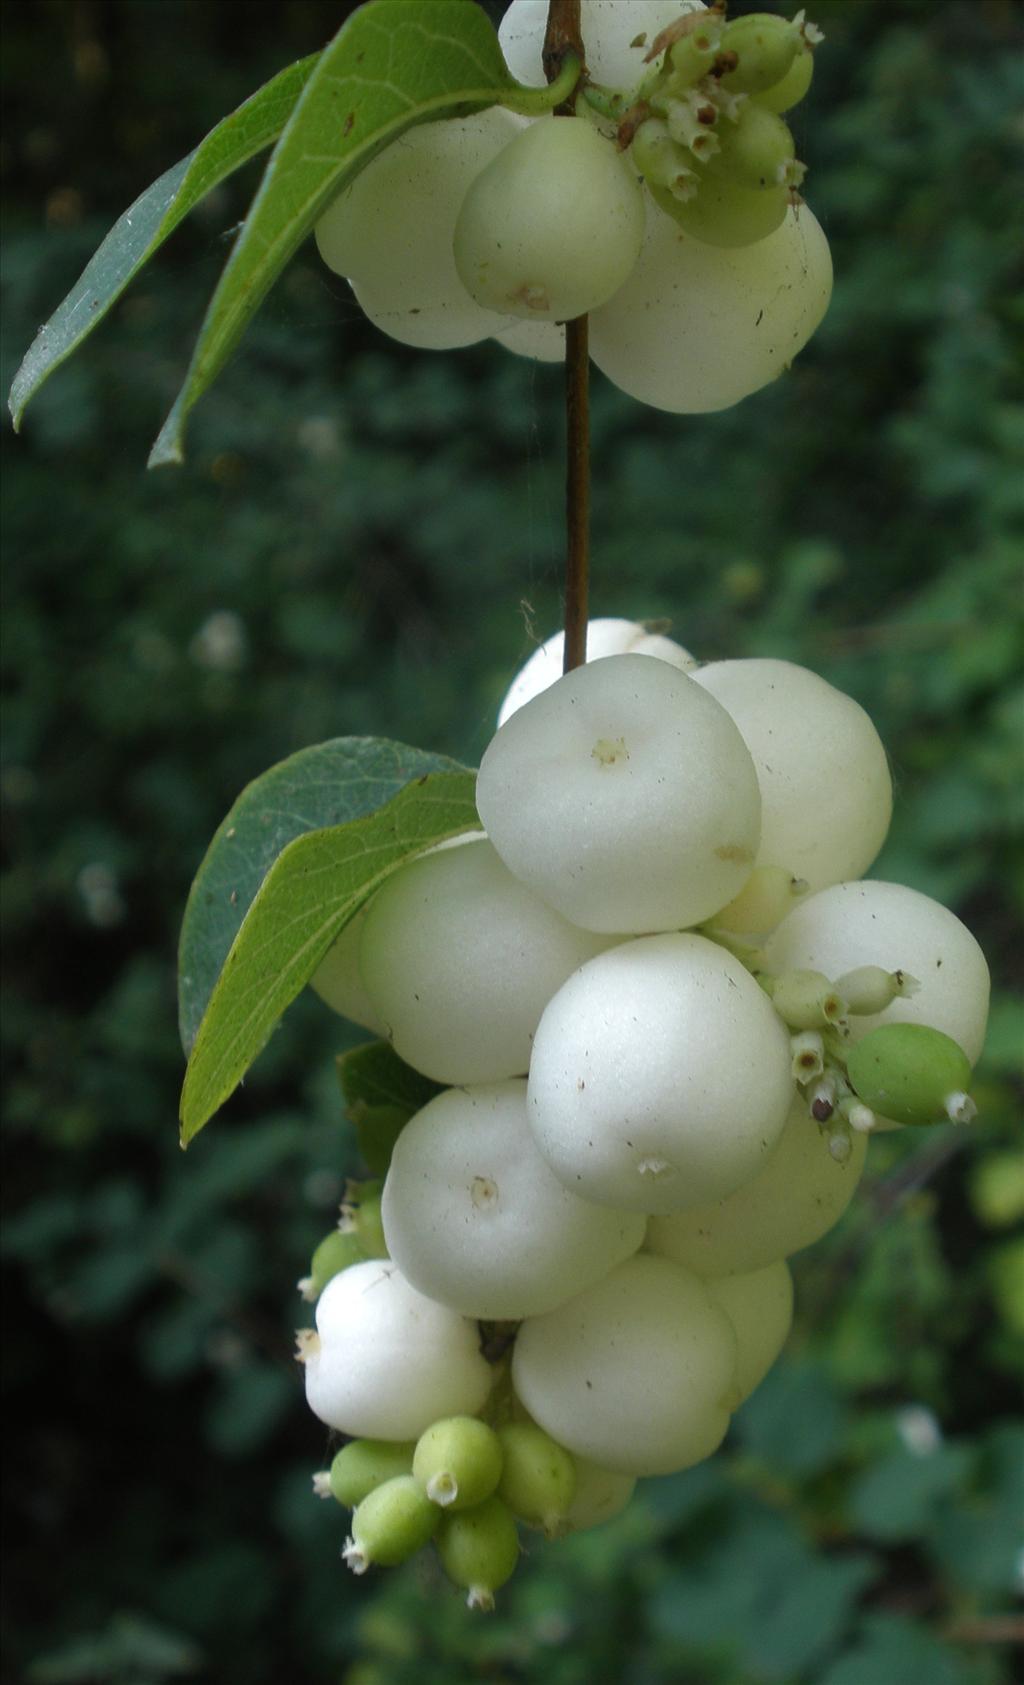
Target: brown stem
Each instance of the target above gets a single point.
(577, 492)
(563, 36)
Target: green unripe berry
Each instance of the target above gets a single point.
(870, 989)
(369, 1228)
(765, 46)
(693, 54)
(479, 1550)
(783, 95)
(911, 1073)
(458, 1462)
(756, 151)
(721, 213)
(360, 1216)
(805, 1000)
(335, 1253)
(391, 1524)
(364, 1464)
(538, 1480)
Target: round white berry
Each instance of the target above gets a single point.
(475, 1217)
(386, 1361)
(625, 796)
(634, 1373)
(799, 1193)
(826, 793)
(660, 1076)
(459, 960)
(604, 637)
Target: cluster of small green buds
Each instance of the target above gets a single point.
(464, 1484)
(902, 1073)
(706, 131)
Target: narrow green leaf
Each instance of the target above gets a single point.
(326, 784)
(392, 64)
(309, 894)
(146, 224)
(381, 1093)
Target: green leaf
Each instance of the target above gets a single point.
(313, 888)
(390, 66)
(381, 1093)
(893, 1650)
(894, 1500)
(146, 224)
(327, 784)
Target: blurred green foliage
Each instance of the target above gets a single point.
(367, 540)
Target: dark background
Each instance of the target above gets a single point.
(367, 539)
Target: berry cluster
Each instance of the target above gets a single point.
(675, 181)
(666, 1013)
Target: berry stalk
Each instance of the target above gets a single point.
(561, 38)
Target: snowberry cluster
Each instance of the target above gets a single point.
(667, 1012)
(676, 181)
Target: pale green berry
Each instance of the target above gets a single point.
(538, 1480)
(805, 1000)
(724, 213)
(391, 1524)
(458, 1462)
(364, 1220)
(768, 895)
(869, 988)
(693, 54)
(765, 46)
(550, 228)
(756, 151)
(364, 1464)
(601, 1494)
(792, 87)
(800, 1193)
(912, 1074)
(760, 1307)
(479, 1550)
(335, 1253)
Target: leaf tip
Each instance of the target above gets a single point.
(169, 448)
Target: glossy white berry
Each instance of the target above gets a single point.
(826, 793)
(338, 982)
(390, 233)
(386, 1361)
(459, 959)
(617, 34)
(476, 1218)
(660, 1077)
(633, 1374)
(625, 796)
(760, 1307)
(798, 1194)
(698, 327)
(604, 637)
